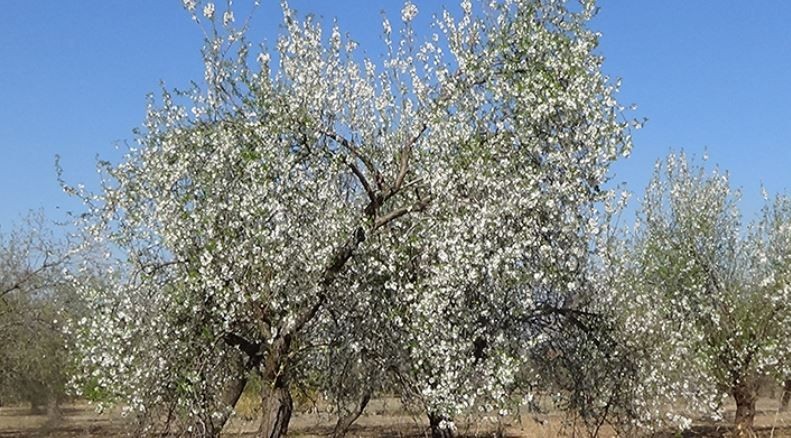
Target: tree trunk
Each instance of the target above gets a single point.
(277, 406)
(437, 430)
(233, 392)
(345, 421)
(53, 409)
(36, 409)
(230, 396)
(786, 397)
(38, 398)
(745, 395)
(276, 403)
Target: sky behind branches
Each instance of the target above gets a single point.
(74, 76)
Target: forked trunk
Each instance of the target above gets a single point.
(440, 426)
(346, 420)
(276, 402)
(745, 395)
(786, 397)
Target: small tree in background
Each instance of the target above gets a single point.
(36, 298)
(770, 264)
(701, 305)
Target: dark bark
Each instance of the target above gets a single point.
(276, 402)
(437, 431)
(786, 397)
(745, 393)
(346, 420)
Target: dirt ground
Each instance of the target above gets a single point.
(384, 418)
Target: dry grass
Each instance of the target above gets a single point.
(384, 418)
(77, 420)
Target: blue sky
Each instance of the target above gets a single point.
(74, 76)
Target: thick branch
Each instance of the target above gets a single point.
(339, 259)
(251, 349)
(345, 252)
(397, 213)
(345, 421)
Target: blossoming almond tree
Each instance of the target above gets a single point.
(455, 181)
(702, 304)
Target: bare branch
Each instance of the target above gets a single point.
(28, 276)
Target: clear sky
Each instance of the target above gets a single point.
(74, 76)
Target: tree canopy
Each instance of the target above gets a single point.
(432, 209)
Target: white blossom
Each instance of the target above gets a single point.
(227, 18)
(208, 10)
(409, 11)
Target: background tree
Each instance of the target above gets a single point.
(35, 299)
(701, 303)
(770, 264)
(457, 180)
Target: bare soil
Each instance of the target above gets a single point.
(384, 418)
